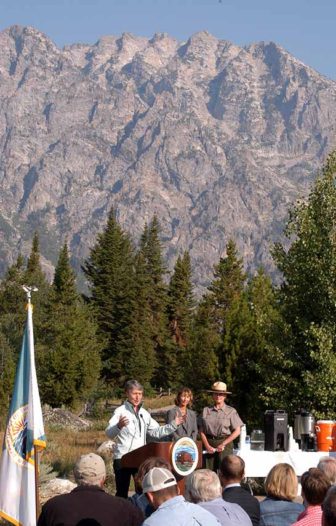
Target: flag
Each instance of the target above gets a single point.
(24, 430)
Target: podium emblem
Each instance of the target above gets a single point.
(184, 456)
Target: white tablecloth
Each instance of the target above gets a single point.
(259, 463)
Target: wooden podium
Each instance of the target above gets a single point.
(134, 458)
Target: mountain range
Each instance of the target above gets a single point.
(217, 140)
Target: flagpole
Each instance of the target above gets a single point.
(28, 291)
(37, 481)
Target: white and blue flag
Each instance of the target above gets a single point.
(24, 430)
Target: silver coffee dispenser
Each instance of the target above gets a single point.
(304, 430)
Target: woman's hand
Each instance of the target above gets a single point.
(210, 449)
(221, 447)
(179, 419)
(123, 421)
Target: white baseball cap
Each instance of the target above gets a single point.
(158, 478)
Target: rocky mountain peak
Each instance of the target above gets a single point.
(214, 138)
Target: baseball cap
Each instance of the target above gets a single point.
(89, 469)
(158, 478)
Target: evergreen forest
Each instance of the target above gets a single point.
(274, 346)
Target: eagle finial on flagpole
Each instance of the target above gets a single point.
(28, 291)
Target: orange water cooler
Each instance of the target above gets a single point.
(326, 435)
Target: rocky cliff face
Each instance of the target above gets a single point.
(216, 139)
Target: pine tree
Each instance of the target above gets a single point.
(202, 370)
(248, 343)
(68, 357)
(224, 295)
(111, 275)
(7, 371)
(34, 274)
(142, 363)
(180, 314)
(228, 284)
(151, 250)
(35, 277)
(308, 299)
(12, 306)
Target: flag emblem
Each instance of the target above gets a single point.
(16, 435)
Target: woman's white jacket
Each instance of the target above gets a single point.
(134, 435)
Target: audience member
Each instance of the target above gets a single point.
(203, 487)
(328, 466)
(315, 485)
(139, 499)
(329, 508)
(232, 472)
(281, 488)
(88, 503)
(171, 508)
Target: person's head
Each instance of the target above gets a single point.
(147, 465)
(203, 485)
(90, 470)
(184, 397)
(328, 466)
(134, 392)
(232, 470)
(219, 392)
(281, 482)
(329, 508)
(315, 485)
(160, 485)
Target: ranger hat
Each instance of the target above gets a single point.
(158, 478)
(219, 387)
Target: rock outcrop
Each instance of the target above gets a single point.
(216, 139)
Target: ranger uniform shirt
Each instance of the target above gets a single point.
(219, 422)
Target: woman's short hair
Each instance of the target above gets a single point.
(133, 384)
(203, 485)
(183, 390)
(282, 482)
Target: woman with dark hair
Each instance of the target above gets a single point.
(281, 488)
(183, 402)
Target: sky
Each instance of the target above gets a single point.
(305, 28)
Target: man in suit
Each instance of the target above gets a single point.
(232, 472)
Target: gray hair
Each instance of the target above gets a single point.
(133, 384)
(328, 466)
(329, 507)
(203, 485)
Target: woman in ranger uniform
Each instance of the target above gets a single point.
(219, 425)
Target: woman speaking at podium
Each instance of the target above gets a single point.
(129, 426)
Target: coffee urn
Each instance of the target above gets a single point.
(304, 430)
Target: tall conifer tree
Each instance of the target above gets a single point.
(180, 314)
(110, 271)
(224, 295)
(151, 250)
(69, 360)
(202, 369)
(308, 299)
